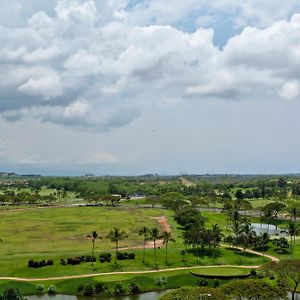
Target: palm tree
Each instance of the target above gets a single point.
(144, 232)
(94, 236)
(292, 230)
(115, 236)
(268, 216)
(167, 238)
(215, 237)
(154, 235)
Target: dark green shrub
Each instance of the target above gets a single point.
(253, 273)
(105, 257)
(216, 283)
(51, 289)
(90, 258)
(260, 275)
(30, 263)
(12, 294)
(131, 256)
(133, 288)
(125, 256)
(40, 287)
(119, 290)
(80, 288)
(88, 291)
(202, 282)
(100, 287)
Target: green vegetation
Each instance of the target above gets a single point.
(50, 227)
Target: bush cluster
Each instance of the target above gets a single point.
(90, 290)
(161, 280)
(39, 264)
(125, 256)
(51, 289)
(134, 288)
(40, 287)
(105, 257)
(11, 294)
(119, 290)
(76, 260)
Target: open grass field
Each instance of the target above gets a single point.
(55, 233)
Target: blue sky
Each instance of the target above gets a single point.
(131, 87)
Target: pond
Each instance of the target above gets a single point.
(144, 296)
(269, 228)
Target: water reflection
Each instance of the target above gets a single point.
(269, 228)
(144, 296)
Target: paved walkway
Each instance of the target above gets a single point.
(273, 258)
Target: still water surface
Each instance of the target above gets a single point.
(144, 296)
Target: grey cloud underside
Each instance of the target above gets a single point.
(86, 65)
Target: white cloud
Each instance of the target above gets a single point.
(76, 109)
(102, 72)
(47, 87)
(290, 90)
(99, 158)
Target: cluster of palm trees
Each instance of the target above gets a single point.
(153, 234)
(243, 232)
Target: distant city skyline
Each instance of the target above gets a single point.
(130, 87)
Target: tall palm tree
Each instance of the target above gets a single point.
(116, 235)
(292, 230)
(154, 235)
(268, 216)
(167, 238)
(215, 237)
(94, 236)
(144, 232)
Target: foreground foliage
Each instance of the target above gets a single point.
(194, 293)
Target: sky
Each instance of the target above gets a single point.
(130, 87)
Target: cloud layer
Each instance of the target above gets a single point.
(100, 66)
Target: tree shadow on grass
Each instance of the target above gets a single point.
(242, 253)
(205, 253)
(116, 267)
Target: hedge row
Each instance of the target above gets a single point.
(39, 264)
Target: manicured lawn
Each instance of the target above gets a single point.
(146, 282)
(55, 233)
(222, 271)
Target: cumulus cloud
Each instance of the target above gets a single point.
(99, 66)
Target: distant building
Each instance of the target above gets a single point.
(7, 174)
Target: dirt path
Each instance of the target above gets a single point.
(163, 222)
(127, 273)
(273, 258)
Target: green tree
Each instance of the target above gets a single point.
(144, 232)
(289, 274)
(215, 237)
(116, 235)
(94, 236)
(154, 235)
(253, 289)
(167, 237)
(195, 293)
(293, 230)
(173, 200)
